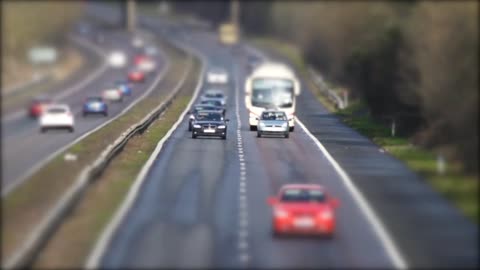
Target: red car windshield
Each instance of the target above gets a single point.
(302, 195)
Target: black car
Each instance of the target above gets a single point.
(209, 123)
(199, 107)
(213, 102)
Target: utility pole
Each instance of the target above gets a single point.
(235, 12)
(131, 15)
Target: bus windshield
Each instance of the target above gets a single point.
(272, 93)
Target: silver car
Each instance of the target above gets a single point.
(273, 123)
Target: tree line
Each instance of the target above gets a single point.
(412, 61)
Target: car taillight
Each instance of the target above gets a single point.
(280, 213)
(326, 215)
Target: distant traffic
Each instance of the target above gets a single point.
(53, 115)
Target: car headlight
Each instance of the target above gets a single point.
(284, 125)
(221, 127)
(192, 117)
(262, 124)
(197, 126)
(280, 213)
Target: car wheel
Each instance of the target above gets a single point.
(275, 234)
(259, 135)
(253, 128)
(287, 135)
(224, 137)
(194, 136)
(105, 114)
(292, 129)
(84, 114)
(71, 129)
(43, 130)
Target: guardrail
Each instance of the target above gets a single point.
(37, 240)
(329, 93)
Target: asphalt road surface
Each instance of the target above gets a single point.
(191, 211)
(203, 201)
(24, 146)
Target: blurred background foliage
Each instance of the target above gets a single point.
(32, 23)
(415, 61)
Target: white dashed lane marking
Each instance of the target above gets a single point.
(242, 231)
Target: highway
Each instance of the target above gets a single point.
(25, 148)
(189, 211)
(203, 201)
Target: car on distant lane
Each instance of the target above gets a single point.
(217, 75)
(125, 87)
(57, 116)
(136, 75)
(95, 105)
(38, 105)
(112, 93)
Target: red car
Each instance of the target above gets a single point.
(140, 58)
(37, 106)
(304, 209)
(136, 76)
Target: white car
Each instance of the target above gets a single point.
(215, 94)
(137, 42)
(151, 51)
(56, 116)
(217, 75)
(117, 59)
(147, 65)
(113, 94)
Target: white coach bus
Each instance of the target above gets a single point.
(271, 86)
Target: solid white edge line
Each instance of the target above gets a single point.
(20, 180)
(392, 251)
(94, 258)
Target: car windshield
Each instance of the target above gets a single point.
(303, 195)
(217, 71)
(209, 116)
(278, 116)
(205, 108)
(94, 99)
(212, 102)
(57, 110)
(214, 95)
(272, 93)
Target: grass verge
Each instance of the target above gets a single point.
(74, 240)
(453, 183)
(72, 65)
(23, 208)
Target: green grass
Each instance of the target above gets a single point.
(454, 184)
(74, 240)
(27, 204)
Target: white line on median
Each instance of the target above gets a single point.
(387, 242)
(7, 189)
(93, 260)
(378, 227)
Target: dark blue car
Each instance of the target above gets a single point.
(125, 87)
(95, 105)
